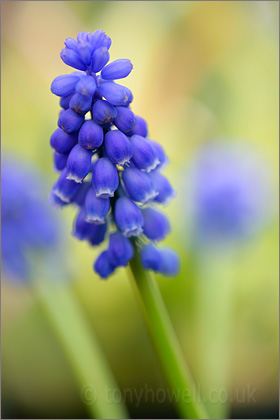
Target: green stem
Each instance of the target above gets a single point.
(183, 390)
(82, 350)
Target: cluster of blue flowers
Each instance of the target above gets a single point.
(108, 166)
(26, 221)
(230, 192)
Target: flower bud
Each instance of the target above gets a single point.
(156, 225)
(105, 178)
(72, 58)
(170, 262)
(62, 142)
(140, 127)
(164, 188)
(79, 198)
(138, 185)
(124, 120)
(120, 250)
(144, 156)
(82, 36)
(86, 86)
(80, 103)
(118, 69)
(103, 266)
(99, 39)
(117, 147)
(103, 112)
(151, 258)
(100, 57)
(60, 161)
(96, 208)
(85, 51)
(128, 217)
(64, 101)
(64, 188)
(71, 43)
(64, 85)
(114, 93)
(69, 121)
(90, 135)
(78, 163)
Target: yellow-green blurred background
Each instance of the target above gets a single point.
(201, 70)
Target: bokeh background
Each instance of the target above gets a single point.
(202, 70)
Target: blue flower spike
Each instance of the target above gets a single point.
(108, 167)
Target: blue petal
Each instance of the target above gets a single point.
(78, 163)
(86, 86)
(100, 57)
(120, 250)
(103, 266)
(96, 208)
(156, 224)
(144, 156)
(118, 69)
(125, 119)
(69, 121)
(128, 217)
(138, 185)
(103, 112)
(114, 93)
(91, 135)
(118, 148)
(62, 142)
(80, 103)
(105, 178)
(64, 85)
(72, 58)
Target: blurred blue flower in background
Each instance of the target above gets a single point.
(28, 223)
(230, 191)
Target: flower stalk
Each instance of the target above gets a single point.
(186, 395)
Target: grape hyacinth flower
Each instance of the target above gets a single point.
(229, 192)
(27, 222)
(108, 166)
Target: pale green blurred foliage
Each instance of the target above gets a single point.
(201, 70)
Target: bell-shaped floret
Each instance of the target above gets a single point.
(120, 249)
(118, 69)
(103, 266)
(128, 217)
(96, 208)
(144, 155)
(118, 148)
(138, 185)
(69, 121)
(156, 225)
(90, 135)
(164, 188)
(105, 178)
(78, 163)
